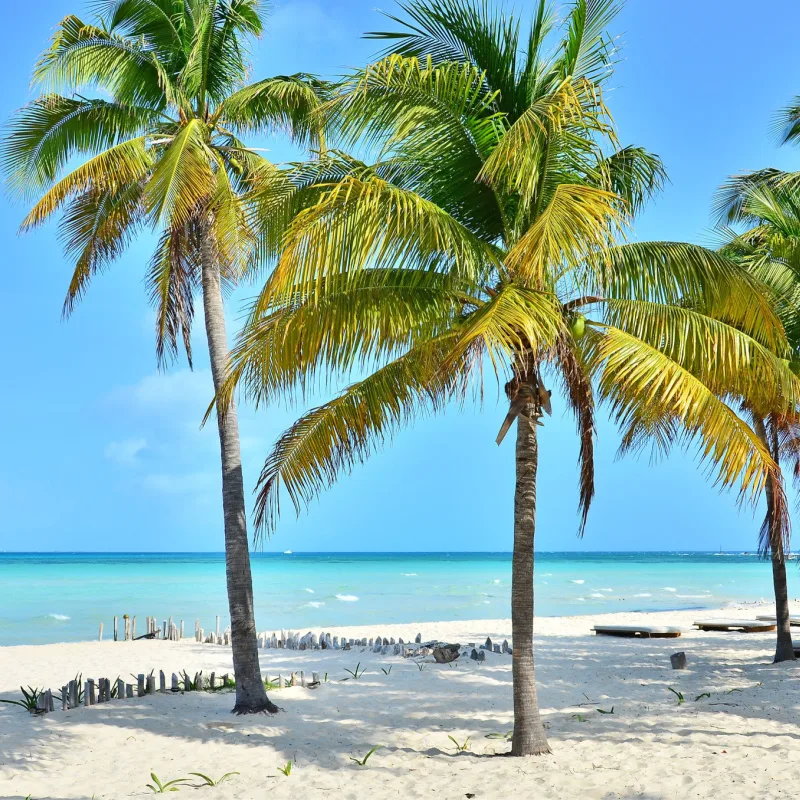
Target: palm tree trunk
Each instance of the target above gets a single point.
(784, 650)
(529, 736)
(251, 696)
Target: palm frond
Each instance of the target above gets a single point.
(121, 166)
(361, 222)
(182, 180)
(677, 273)
(578, 223)
(330, 440)
(45, 135)
(644, 386)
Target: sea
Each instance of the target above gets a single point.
(62, 597)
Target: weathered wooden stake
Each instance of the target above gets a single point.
(225, 680)
(64, 698)
(133, 627)
(92, 695)
(212, 681)
(175, 683)
(217, 628)
(128, 690)
(140, 684)
(181, 629)
(120, 689)
(162, 681)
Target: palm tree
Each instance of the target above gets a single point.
(767, 205)
(160, 149)
(486, 229)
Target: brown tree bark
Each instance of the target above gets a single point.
(784, 649)
(251, 696)
(529, 734)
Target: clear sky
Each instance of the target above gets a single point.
(102, 452)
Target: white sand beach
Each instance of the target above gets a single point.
(739, 742)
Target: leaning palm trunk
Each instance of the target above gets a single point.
(529, 736)
(784, 650)
(251, 696)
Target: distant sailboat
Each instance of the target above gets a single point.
(287, 552)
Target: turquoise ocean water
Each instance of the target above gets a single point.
(63, 597)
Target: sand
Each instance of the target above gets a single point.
(741, 742)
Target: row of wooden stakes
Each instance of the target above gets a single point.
(74, 694)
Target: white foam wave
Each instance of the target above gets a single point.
(670, 589)
(643, 594)
(409, 574)
(314, 604)
(578, 581)
(601, 596)
(60, 617)
(347, 598)
(310, 591)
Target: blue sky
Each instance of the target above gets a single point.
(102, 452)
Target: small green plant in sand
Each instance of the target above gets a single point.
(354, 673)
(580, 717)
(286, 769)
(420, 665)
(701, 696)
(460, 748)
(603, 711)
(362, 762)
(160, 787)
(271, 686)
(79, 686)
(507, 736)
(192, 684)
(207, 781)
(386, 671)
(29, 699)
(679, 695)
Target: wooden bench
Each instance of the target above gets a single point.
(638, 631)
(793, 621)
(745, 625)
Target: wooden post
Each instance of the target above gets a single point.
(73, 694)
(100, 635)
(225, 680)
(86, 701)
(128, 690)
(162, 681)
(115, 629)
(133, 627)
(164, 634)
(140, 684)
(151, 684)
(64, 698)
(92, 695)
(101, 690)
(181, 629)
(175, 684)
(120, 689)
(315, 677)
(212, 681)
(302, 678)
